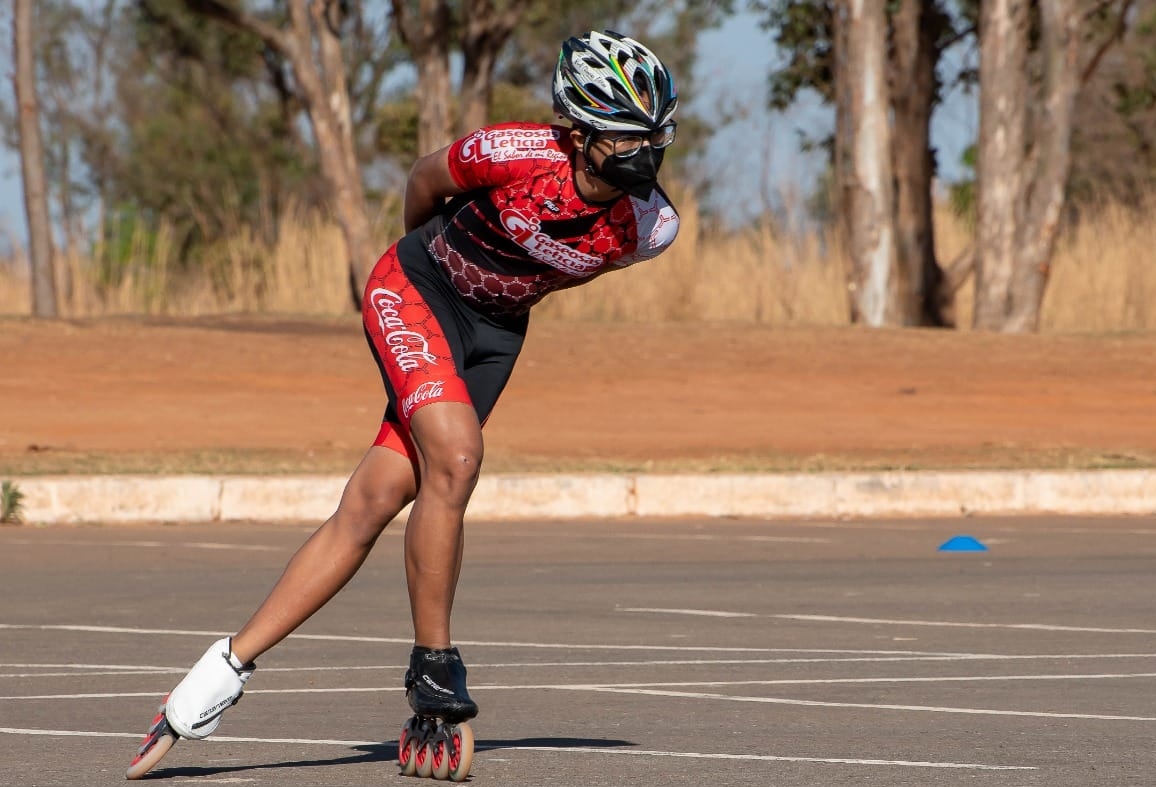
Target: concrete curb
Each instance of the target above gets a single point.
(123, 499)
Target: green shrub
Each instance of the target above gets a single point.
(11, 504)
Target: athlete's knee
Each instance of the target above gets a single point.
(453, 469)
(366, 508)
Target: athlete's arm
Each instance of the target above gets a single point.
(430, 184)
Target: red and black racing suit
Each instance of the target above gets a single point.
(446, 308)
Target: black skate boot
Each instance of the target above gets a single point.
(435, 685)
(436, 741)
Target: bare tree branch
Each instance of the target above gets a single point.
(226, 12)
(1118, 32)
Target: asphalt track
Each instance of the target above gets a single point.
(691, 652)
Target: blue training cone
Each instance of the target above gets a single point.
(962, 544)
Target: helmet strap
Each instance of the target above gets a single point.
(589, 161)
(586, 143)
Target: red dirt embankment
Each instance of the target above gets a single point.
(253, 394)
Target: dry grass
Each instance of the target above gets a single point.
(1102, 280)
(303, 272)
(752, 276)
(1103, 276)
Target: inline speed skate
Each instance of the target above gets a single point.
(193, 709)
(437, 742)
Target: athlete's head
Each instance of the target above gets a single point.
(621, 96)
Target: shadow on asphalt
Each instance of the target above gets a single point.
(384, 752)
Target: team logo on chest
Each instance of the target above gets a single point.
(526, 231)
(511, 144)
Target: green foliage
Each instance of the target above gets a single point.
(11, 504)
(1114, 133)
(206, 138)
(804, 31)
(962, 194)
(511, 101)
(521, 89)
(186, 130)
(1136, 95)
(668, 27)
(395, 128)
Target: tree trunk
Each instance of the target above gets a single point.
(913, 62)
(872, 205)
(1023, 165)
(324, 94)
(1049, 163)
(40, 254)
(328, 17)
(1000, 167)
(477, 87)
(428, 40)
(841, 171)
(327, 99)
(488, 26)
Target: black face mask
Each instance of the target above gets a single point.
(637, 175)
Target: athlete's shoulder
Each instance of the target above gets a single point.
(656, 222)
(504, 143)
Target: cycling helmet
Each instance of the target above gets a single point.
(600, 80)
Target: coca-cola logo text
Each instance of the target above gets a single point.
(409, 348)
(424, 393)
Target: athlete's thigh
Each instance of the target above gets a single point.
(383, 482)
(495, 351)
(415, 341)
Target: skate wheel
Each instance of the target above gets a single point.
(407, 748)
(424, 755)
(156, 744)
(441, 749)
(461, 752)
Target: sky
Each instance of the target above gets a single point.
(755, 158)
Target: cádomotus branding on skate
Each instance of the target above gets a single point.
(433, 685)
(213, 712)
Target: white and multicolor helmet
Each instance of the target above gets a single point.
(600, 81)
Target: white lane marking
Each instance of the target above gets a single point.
(649, 663)
(710, 613)
(151, 544)
(866, 705)
(130, 694)
(554, 749)
(83, 670)
(93, 674)
(832, 681)
(213, 739)
(989, 527)
(956, 624)
(1080, 531)
(884, 621)
(883, 657)
(129, 667)
(724, 537)
(771, 758)
(390, 640)
(634, 685)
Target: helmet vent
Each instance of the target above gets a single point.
(609, 82)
